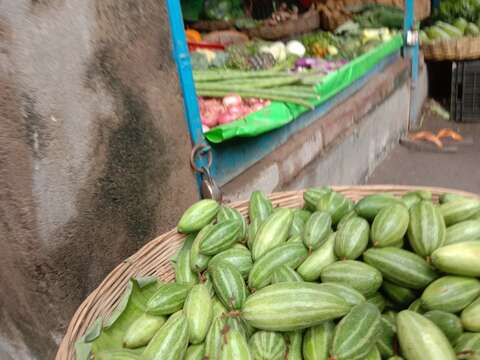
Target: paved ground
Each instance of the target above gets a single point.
(460, 170)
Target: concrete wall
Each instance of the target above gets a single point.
(344, 146)
(93, 154)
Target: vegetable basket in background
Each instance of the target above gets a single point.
(306, 22)
(464, 48)
(154, 259)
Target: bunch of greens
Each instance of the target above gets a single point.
(377, 16)
(449, 10)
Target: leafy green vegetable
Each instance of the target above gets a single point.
(130, 307)
(192, 9)
(449, 10)
(376, 16)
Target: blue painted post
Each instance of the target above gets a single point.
(413, 52)
(184, 67)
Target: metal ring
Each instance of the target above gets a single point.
(200, 149)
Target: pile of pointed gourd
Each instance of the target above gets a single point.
(386, 278)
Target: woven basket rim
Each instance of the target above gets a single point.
(464, 48)
(119, 276)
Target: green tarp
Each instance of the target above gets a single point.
(277, 114)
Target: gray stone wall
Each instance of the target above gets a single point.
(93, 154)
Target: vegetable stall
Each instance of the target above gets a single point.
(254, 74)
(450, 41)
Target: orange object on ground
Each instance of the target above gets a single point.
(443, 133)
(428, 136)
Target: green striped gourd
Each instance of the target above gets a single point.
(228, 213)
(449, 197)
(459, 210)
(401, 296)
(171, 341)
(183, 271)
(273, 232)
(294, 345)
(252, 231)
(198, 309)
(417, 306)
(209, 284)
(259, 207)
(401, 267)
(347, 217)
(350, 295)
(295, 239)
(386, 338)
(118, 354)
(198, 216)
(463, 231)
(235, 346)
(292, 306)
(240, 258)
(459, 259)
(469, 343)
(213, 341)
(335, 204)
(311, 268)
(317, 229)
(356, 334)
(390, 225)
(169, 298)
(285, 274)
(426, 231)
(287, 254)
(217, 308)
(238, 324)
(392, 315)
(369, 206)
(300, 218)
(421, 339)
(221, 237)
(423, 194)
(311, 197)
(410, 199)
(450, 293)
(413, 197)
(449, 323)
(378, 300)
(395, 358)
(198, 261)
(142, 330)
(471, 316)
(228, 284)
(317, 341)
(195, 352)
(358, 275)
(352, 238)
(374, 354)
(267, 345)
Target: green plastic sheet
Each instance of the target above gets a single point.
(278, 114)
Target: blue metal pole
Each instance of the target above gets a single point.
(184, 67)
(413, 52)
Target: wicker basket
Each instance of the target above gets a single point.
(213, 25)
(154, 259)
(465, 48)
(306, 22)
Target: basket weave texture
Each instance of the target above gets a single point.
(154, 259)
(306, 22)
(465, 48)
